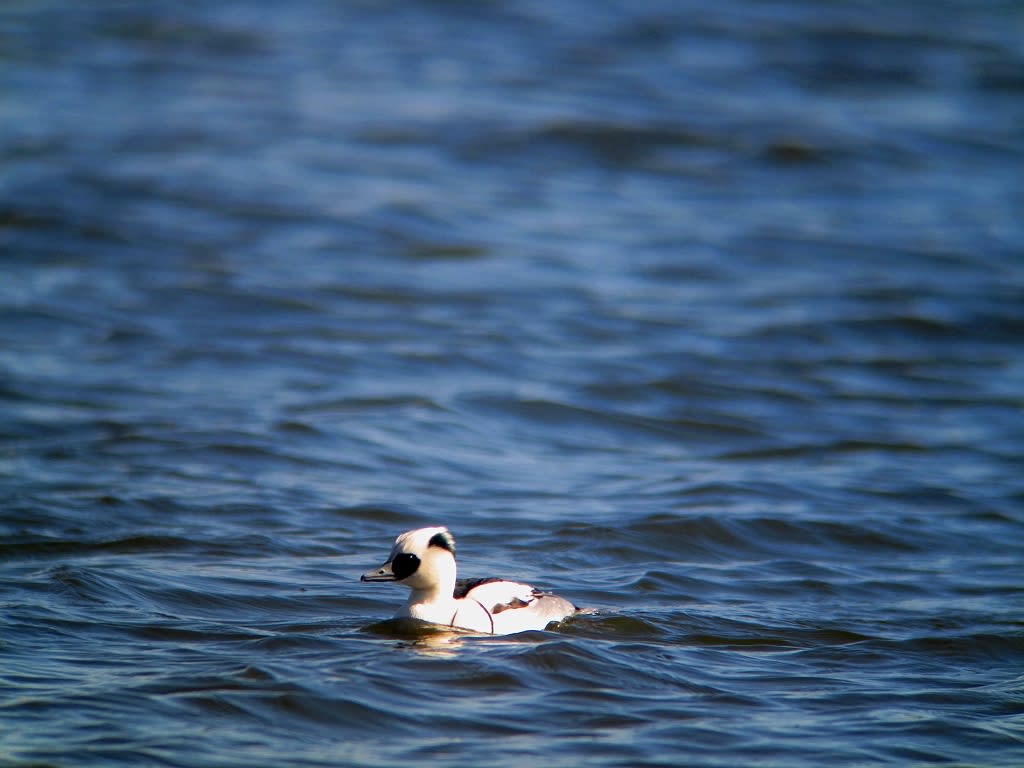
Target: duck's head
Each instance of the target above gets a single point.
(423, 558)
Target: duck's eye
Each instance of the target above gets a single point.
(404, 565)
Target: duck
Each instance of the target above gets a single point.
(423, 560)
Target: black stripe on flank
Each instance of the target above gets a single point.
(516, 603)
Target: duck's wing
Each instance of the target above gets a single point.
(498, 595)
(514, 606)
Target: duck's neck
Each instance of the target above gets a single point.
(436, 596)
(440, 593)
(436, 604)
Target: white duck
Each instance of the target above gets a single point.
(424, 560)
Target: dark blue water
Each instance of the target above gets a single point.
(709, 317)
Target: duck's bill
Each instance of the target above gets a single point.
(383, 573)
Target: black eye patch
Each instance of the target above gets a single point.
(404, 565)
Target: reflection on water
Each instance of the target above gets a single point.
(420, 635)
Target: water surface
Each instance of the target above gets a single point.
(709, 318)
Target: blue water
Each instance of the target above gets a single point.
(709, 318)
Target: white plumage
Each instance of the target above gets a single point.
(424, 560)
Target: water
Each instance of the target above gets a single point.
(708, 317)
